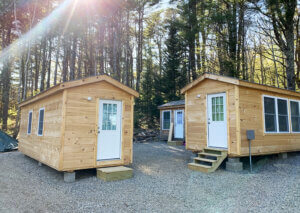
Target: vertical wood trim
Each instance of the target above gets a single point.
(123, 132)
(132, 127)
(185, 119)
(228, 121)
(62, 130)
(238, 120)
(96, 131)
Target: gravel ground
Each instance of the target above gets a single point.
(161, 183)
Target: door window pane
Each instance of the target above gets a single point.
(295, 116)
(109, 117)
(283, 115)
(166, 119)
(179, 118)
(270, 114)
(218, 108)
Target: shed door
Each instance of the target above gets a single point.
(109, 130)
(217, 121)
(179, 124)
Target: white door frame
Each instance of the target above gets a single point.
(175, 122)
(100, 114)
(224, 94)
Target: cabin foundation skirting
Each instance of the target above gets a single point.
(234, 165)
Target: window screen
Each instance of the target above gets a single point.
(283, 118)
(295, 116)
(41, 122)
(29, 122)
(166, 119)
(270, 114)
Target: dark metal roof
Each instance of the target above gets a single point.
(173, 103)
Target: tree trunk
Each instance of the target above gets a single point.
(49, 64)
(37, 68)
(73, 57)
(44, 64)
(140, 38)
(57, 60)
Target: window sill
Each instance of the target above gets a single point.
(283, 134)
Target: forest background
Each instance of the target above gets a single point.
(153, 46)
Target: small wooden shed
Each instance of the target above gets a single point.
(219, 110)
(80, 124)
(172, 112)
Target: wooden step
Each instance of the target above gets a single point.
(175, 143)
(215, 151)
(114, 173)
(199, 167)
(208, 154)
(205, 160)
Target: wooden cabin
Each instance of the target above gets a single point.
(172, 112)
(219, 110)
(80, 124)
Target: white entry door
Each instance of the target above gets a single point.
(178, 123)
(109, 130)
(217, 121)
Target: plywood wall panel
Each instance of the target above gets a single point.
(196, 114)
(46, 148)
(251, 111)
(82, 121)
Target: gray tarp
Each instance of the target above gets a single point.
(7, 143)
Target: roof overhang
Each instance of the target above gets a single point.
(238, 82)
(66, 85)
(171, 107)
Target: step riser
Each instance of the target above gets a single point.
(198, 168)
(213, 151)
(207, 157)
(203, 162)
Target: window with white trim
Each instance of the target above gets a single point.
(270, 114)
(166, 120)
(29, 124)
(295, 115)
(41, 122)
(276, 115)
(283, 115)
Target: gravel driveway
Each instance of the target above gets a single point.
(161, 183)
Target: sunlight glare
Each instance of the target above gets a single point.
(19, 46)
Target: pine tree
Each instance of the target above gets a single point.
(173, 78)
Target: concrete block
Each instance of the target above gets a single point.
(114, 173)
(175, 143)
(283, 155)
(234, 165)
(69, 177)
